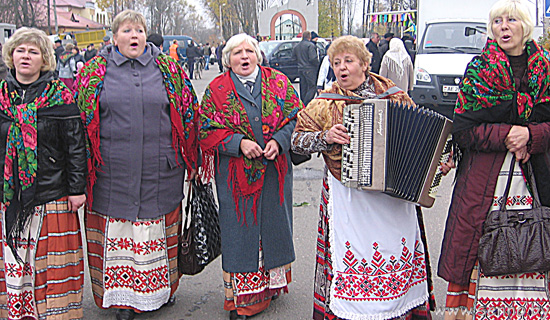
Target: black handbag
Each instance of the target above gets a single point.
(298, 158)
(516, 241)
(200, 241)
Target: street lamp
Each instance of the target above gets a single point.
(221, 20)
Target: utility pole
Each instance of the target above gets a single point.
(55, 16)
(49, 18)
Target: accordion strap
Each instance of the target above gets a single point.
(336, 96)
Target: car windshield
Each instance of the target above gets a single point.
(268, 46)
(454, 38)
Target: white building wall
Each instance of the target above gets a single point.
(310, 13)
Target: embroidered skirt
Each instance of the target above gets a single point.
(358, 278)
(49, 283)
(133, 264)
(251, 292)
(519, 296)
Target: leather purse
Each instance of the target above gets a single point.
(516, 241)
(298, 158)
(200, 241)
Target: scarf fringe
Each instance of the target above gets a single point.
(281, 164)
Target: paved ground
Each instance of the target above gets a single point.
(201, 296)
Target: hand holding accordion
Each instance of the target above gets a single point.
(395, 149)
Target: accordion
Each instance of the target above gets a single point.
(396, 149)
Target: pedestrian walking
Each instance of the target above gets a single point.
(173, 50)
(372, 46)
(305, 53)
(43, 163)
(501, 122)
(206, 53)
(384, 44)
(193, 53)
(66, 67)
(219, 51)
(361, 233)
(247, 115)
(146, 108)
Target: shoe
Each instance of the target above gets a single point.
(233, 315)
(275, 297)
(125, 314)
(172, 301)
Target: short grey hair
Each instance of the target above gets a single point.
(129, 16)
(236, 41)
(514, 8)
(33, 36)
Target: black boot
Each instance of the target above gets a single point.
(233, 315)
(125, 314)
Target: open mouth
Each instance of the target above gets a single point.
(134, 45)
(506, 37)
(343, 76)
(246, 64)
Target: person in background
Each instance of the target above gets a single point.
(173, 50)
(305, 53)
(3, 66)
(326, 75)
(43, 165)
(247, 116)
(140, 113)
(372, 46)
(106, 41)
(156, 39)
(502, 112)
(91, 52)
(384, 44)
(207, 51)
(192, 54)
(219, 51)
(397, 65)
(365, 238)
(66, 67)
(58, 48)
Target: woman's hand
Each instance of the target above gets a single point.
(337, 134)
(517, 139)
(251, 149)
(75, 202)
(522, 155)
(449, 165)
(271, 150)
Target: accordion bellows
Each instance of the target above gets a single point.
(396, 149)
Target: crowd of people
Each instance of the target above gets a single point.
(120, 130)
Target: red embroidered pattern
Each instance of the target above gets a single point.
(142, 248)
(518, 200)
(21, 305)
(145, 281)
(252, 281)
(381, 278)
(15, 270)
(507, 309)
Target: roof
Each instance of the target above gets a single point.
(72, 20)
(71, 3)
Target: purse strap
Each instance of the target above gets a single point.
(531, 180)
(187, 221)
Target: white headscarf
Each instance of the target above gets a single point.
(397, 54)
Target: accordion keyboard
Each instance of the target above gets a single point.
(359, 124)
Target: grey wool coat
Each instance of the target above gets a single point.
(240, 241)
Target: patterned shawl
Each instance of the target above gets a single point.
(321, 115)
(488, 93)
(21, 148)
(183, 111)
(223, 114)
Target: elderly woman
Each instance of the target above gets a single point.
(371, 261)
(43, 163)
(503, 110)
(139, 108)
(247, 116)
(397, 65)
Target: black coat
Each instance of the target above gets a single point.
(376, 57)
(61, 146)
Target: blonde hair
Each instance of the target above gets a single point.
(350, 44)
(513, 8)
(33, 36)
(129, 16)
(236, 41)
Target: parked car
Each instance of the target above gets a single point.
(183, 43)
(279, 56)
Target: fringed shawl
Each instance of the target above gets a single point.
(488, 93)
(183, 111)
(222, 114)
(321, 115)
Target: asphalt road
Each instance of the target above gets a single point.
(201, 296)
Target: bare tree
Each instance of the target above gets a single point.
(29, 13)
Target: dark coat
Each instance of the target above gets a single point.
(240, 243)
(376, 57)
(483, 155)
(306, 56)
(61, 145)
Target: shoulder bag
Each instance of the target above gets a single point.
(516, 241)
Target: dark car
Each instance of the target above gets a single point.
(183, 43)
(279, 56)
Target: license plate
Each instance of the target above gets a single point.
(451, 89)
